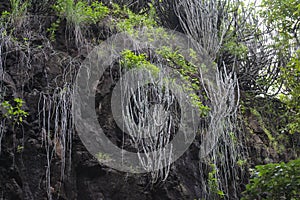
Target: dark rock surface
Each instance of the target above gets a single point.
(23, 159)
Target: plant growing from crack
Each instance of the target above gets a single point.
(14, 111)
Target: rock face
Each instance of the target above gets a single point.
(23, 176)
(36, 68)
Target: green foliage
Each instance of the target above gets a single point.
(131, 60)
(213, 182)
(275, 181)
(282, 14)
(262, 124)
(291, 78)
(20, 148)
(18, 8)
(52, 30)
(241, 162)
(5, 15)
(14, 112)
(133, 20)
(233, 43)
(176, 59)
(103, 157)
(116, 10)
(237, 49)
(188, 72)
(17, 12)
(196, 101)
(80, 12)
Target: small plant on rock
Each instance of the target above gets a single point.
(14, 112)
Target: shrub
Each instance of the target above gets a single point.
(275, 181)
(131, 60)
(81, 13)
(17, 12)
(78, 14)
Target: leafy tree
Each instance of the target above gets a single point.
(284, 19)
(291, 78)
